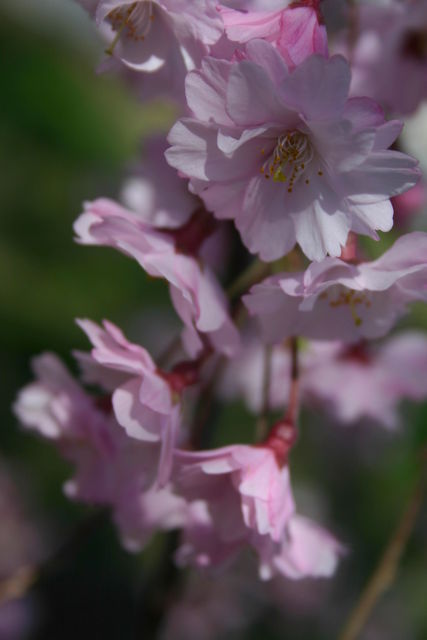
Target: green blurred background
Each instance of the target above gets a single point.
(68, 134)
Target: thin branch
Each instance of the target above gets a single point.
(169, 352)
(385, 573)
(293, 405)
(254, 273)
(262, 422)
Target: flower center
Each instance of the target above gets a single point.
(350, 298)
(132, 20)
(291, 157)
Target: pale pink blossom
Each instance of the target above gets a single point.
(141, 514)
(389, 58)
(111, 468)
(369, 381)
(295, 29)
(144, 191)
(149, 34)
(57, 407)
(336, 300)
(286, 154)
(145, 404)
(196, 294)
(247, 500)
(306, 550)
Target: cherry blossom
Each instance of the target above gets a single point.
(147, 403)
(389, 58)
(247, 500)
(338, 300)
(296, 29)
(58, 408)
(367, 381)
(149, 34)
(286, 154)
(196, 294)
(145, 195)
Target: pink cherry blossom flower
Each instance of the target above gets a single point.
(306, 550)
(389, 58)
(145, 404)
(251, 480)
(140, 514)
(246, 500)
(111, 468)
(365, 381)
(58, 408)
(286, 154)
(295, 29)
(196, 294)
(145, 194)
(336, 300)
(148, 34)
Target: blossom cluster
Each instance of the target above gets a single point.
(282, 153)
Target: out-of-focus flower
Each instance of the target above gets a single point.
(149, 34)
(336, 300)
(145, 193)
(368, 382)
(286, 154)
(389, 58)
(351, 383)
(111, 468)
(410, 203)
(196, 294)
(57, 407)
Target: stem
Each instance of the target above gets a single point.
(254, 273)
(169, 352)
(385, 572)
(293, 406)
(262, 422)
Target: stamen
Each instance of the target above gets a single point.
(290, 158)
(350, 298)
(131, 20)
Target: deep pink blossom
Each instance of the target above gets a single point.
(336, 300)
(196, 294)
(295, 29)
(286, 154)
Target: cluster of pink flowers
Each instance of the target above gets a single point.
(290, 144)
